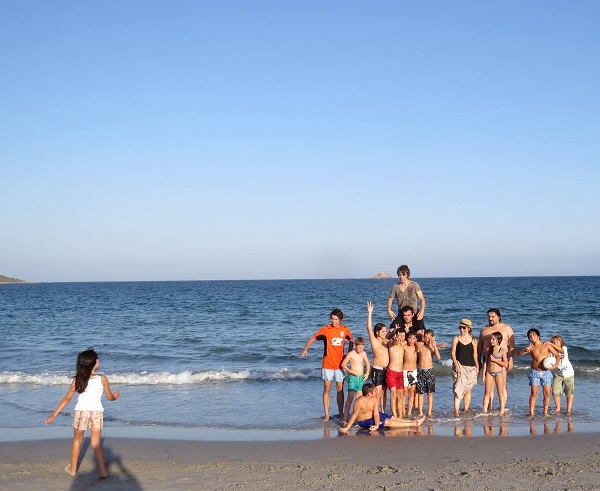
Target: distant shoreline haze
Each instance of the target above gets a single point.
(7, 279)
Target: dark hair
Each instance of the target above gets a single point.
(411, 333)
(367, 389)
(406, 308)
(429, 331)
(534, 330)
(338, 313)
(497, 312)
(403, 269)
(498, 336)
(86, 361)
(378, 327)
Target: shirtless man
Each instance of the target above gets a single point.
(410, 370)
(366, 414)
(425, 371)
(538, 375)
(378, 339)
(406, 292)
(508, 342)
(394, 374)
(508, 336)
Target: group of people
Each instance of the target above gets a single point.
(402, 364)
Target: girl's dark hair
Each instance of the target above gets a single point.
(86, 361)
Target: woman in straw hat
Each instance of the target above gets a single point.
(465, 365)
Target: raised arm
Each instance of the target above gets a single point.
(372, 337)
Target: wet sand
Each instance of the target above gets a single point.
(402, 461)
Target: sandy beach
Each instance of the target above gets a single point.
(543, 462)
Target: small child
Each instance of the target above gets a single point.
(89, 412)
(354, 363)
(494, 364)
(564, 376)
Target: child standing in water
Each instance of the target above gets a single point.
(494, 365)
(354, 364)
(564, 376)
(89, 412)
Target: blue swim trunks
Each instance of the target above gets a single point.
(367, 423)
(540, 377)
(355, 382)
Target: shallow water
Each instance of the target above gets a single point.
(225, 354)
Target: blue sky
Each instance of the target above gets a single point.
(147, 140)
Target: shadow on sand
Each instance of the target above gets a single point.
(119, 477)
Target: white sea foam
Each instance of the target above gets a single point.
(166, 378)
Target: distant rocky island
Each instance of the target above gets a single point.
(379, 276)
(6, 279)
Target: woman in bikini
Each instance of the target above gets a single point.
(494, 365)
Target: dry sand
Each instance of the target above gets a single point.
(568, 461)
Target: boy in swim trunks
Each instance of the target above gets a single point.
(425, 371)
(409, 369)
(394, 375)
(354, 364)
(378, 339)
(366, 414)
(538, 375)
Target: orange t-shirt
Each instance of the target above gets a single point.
(334, 339)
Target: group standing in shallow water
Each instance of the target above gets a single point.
(403, 364)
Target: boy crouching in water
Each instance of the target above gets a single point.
(354, 364)
(366, 414)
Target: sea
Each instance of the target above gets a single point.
(223, 357)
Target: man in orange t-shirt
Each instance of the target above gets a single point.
(334, 337)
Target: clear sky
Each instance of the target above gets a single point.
(183, 140)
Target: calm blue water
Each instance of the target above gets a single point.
(225, 354)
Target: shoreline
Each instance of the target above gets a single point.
(556, 461)
(454, 429)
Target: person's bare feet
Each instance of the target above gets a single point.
(69, 471)
(326, 417)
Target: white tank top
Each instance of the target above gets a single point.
(90, 399)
